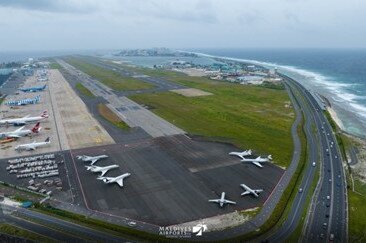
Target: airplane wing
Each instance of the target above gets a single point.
(257, 164)
(31, 147)
(120, 182)
(13, 136)
(214, 200)
(258, 191)
(93, 161)
(19, 129)
(245, 193)
(105, 171)
(230, 202)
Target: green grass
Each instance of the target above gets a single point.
(98, 224)
(110, 116)
(357, 212)
(83, 90)
(110, 78)
(22, 233)
(248, 116)
(55, 65)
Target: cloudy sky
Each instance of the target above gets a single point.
(111, 24)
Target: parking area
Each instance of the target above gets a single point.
(69, 125)
(172, 179)
(43, 173)
(49, 126)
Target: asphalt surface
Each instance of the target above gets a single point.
(172, 179)
(55, 228)
(353, 153)
(129, 111)
(159, 83)
(299, 201)
(326, 216)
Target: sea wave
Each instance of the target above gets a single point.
(340, 92)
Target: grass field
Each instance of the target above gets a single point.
(103, 226)
(248, 116)
(55, 65)
(22, 233)
(110, 116)
(357, 212)
(108, 77)
(83, 90)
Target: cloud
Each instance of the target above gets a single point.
(51, 5)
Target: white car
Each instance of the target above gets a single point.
(132, 224)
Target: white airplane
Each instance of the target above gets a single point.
(257, 161)
(33, 146)
(222, 200)
(24, 120)
(91, 159)
(103, 170)
(242, 154)
(20, 132)
(248, 190)
(118, 179)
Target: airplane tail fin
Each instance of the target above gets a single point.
(269, 157)
(47, 140)
(36, 128)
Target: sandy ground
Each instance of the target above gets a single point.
(335, 117)
(81, 129)
(194, 72)
(69, 125)
(190, 92)
(221, 222)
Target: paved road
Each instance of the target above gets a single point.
(353, 153)
(55, 228)
(294, 216)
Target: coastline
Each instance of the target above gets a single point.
(343, 113)
(336, 119)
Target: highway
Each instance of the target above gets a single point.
(54, 228)
(317, 142)
(298, 204)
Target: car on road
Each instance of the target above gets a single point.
(328, 197)
(132, 224)
(325, 225)
(300, 190)
(314, 164)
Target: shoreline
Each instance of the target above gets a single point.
(334, 114)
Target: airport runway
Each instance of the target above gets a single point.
(129, 111)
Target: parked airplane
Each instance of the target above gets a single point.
(118, 179)
(33, 89)
(242, 154)
(222, 200)
(103, 170)
(33, 146)
(28, 101)
(248, 190)
(20, 132)
(91, 159)
(257, 161)
(24, 120)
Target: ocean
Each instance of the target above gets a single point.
(339, 75)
